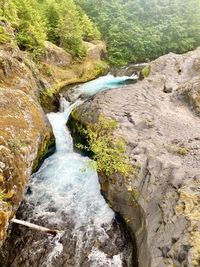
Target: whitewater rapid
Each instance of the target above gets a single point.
(64, 194)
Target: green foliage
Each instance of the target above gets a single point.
(59, 21)
(68, 26)
(2, 195)
(145, 72)
(135, 30)
(89, 30)
(109, 152)
(141, 30)
(31, 31)
(8, 11)
(100, 68)
(4, 36)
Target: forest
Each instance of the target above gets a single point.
(61, 22)
(141, 30)
(134, 30)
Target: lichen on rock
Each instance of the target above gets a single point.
(188, 205)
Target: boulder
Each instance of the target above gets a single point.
(158, 118)
(56, 56)
(96, 50)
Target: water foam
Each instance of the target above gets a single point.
(61, 189)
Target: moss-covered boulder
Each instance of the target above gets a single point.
(25, 132)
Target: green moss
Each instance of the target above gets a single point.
(145, 72)
(48, 71)
(15, 144)
(182, 151)
(100, 68)
(4, 36)
(5, 196)
(42, 152)
(2, 195)
(46, 98)
(109, 152)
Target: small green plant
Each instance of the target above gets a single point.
(180, 150)
(109, 152)
(6, 196)
(2, 195)
(145, 72)
(4, 36)
(100, 68)
(47, 71)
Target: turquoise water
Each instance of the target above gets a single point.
(102, 84)
(67, 184)
(65, 195)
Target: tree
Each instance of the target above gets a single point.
(31, 29)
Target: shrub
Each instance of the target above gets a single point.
(145, 72)
(182, 151)
(109, 152)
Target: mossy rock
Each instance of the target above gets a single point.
(4, 36)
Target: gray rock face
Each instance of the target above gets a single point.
(158, 118)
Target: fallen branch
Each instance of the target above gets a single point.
(36, 227)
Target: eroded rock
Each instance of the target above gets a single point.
(162, 131)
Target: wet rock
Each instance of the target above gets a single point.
(161, 206)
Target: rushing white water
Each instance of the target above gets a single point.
(103, 83)
(66, 184)
(65, 194)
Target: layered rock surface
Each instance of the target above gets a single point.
(159, 119)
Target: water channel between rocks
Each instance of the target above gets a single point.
(65, 194)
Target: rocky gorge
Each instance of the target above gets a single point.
(25, 131)
(158, 118)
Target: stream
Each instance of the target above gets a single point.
(64, 194)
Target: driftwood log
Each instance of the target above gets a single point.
(36, 227)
